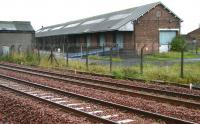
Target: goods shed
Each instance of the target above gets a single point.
(153, 25)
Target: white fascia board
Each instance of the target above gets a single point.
(168, 29)
(127, 27)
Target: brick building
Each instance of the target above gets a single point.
(193, 36)
(153, 25)
(17, 35)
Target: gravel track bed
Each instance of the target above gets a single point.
(128, 82)
(150, 105)
(150, 93)
(94, 107)
(18, 109)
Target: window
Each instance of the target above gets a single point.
(119, 16)
(86, 30)
(71, 25)
(93, 21)
(158, 14)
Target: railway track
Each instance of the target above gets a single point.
(102, 111)
(188, 100)
(133, 79)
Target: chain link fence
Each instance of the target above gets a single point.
(121, 60)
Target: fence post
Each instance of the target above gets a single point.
(38, 53)
(81, 50)
(182, 62)
(196, 47)
(111, 50)
(117, 46)
(51, 56)
(103, 49)
(67, 54)
(87, 57)
(141, 59)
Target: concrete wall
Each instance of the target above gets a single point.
(17, 39)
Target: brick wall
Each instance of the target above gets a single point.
(109, 38)
(94, 40)
(128, 40)
(147, 28)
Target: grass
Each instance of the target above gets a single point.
(165, 73)
(170, 56)
(27, 59)
(151, 71)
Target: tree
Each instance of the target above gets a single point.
(178, 43)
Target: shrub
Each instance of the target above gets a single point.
(178, 43)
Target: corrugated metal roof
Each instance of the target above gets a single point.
(106, 22)
(15, 26)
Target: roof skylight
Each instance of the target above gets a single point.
(44, 30)
(119, 16)
(72, 25)
(56, 28)
(86, 30)
(38, 31)
(93, 21)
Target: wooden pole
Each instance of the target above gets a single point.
(87, 67)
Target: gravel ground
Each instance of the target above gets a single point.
(17, 109)
(93, 106)
(150, 105)
(128, 82)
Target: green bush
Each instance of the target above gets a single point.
(31, 58)
(178, 43)
(118, 73)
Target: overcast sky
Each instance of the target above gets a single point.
(50, 12)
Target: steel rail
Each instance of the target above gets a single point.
(117, 88)
(111, 76)
(167, 119)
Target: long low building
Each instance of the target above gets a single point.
(152, 25)
(16, 35)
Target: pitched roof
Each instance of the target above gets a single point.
(15, 26)
(194, 34)
(106, 22)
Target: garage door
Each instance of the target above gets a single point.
(165, 38)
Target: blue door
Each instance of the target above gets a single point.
(165, 39)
